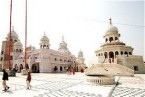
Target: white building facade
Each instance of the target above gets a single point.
(43, 59)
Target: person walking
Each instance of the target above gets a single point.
(28, 80)
(5, 78)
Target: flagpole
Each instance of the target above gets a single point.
(25, 34)
(10, 37)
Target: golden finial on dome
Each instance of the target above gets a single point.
(110, 21)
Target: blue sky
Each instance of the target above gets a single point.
(82, 23)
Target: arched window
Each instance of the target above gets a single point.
(130, 53)
(44, 46)
(55, 59)
(2, 52)
(98, 54)
(121, 52)
(21, 67)
(126, 53)
(105, 54)
(106, 39)
(47, 46)
(116, 38)
(116, 53)
(111, 55)
(60, 59)
(111, 39)
(60, 68)
(1, 58)
(15, 40)
(55, 68)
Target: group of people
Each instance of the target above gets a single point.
(71, 71)
(28, 79)
(6, 78)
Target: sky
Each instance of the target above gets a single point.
(82, 23)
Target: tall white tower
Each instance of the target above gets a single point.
(80, 61)
(112, 47)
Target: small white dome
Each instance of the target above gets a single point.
(44, 40)
(80, 54)
(63, 45)
(112, 30)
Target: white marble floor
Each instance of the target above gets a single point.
(63, 85)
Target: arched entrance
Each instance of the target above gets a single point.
(116, 53)
(27, 66)
(60, 68)
(16, 67)
(35, 68)
(21, 67)
(105, 54)
(111, 57)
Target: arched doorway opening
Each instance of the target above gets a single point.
(116, 53)
(126, 53)
(35, 68)
(111, 57)
(60, 68)
(121, 52)
(27, 66)
(21, 67)
(16, 67)
(105, 54)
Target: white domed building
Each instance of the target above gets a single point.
(49, 60)
(5, 48)
(43, 59)
(115, 57)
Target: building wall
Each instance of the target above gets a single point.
(133, 62)
(46, 60)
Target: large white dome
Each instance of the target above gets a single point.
(13, 34)
(18, 44)
(112, 30)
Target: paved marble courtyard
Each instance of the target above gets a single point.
(63, 85)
